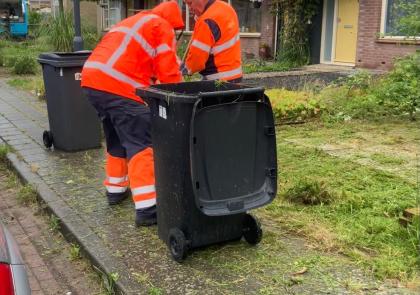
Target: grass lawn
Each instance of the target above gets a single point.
(347, 205)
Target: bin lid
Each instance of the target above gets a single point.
(64, 59)
(233, 157)
(189, 92)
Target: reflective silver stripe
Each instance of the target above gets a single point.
(143, 43)
(113, 73)
(162, 48)
(121, 49)
(200, 45)
(142, 190)
(145, 203)
(116, 189)
(116, 180)
(226, 74)
(224, 46)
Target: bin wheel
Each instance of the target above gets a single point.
(47, 139)
(178, 245)
(252, 229)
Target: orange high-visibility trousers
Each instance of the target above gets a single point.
(129, 160)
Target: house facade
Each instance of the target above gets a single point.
(358, 33)
(361, 33)
(257, 25)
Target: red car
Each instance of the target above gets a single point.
(13, 275)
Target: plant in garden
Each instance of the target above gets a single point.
(294, 105)
(399, 91)
(295, 17)
(309, 192)
(34, 23)
(360, 80)
(24, 65)
(90, 37)
(75, 252)
(60, 30)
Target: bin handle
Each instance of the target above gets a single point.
(241, 91)
(191, 140)
(158, 94)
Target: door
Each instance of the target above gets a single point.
(346, 32)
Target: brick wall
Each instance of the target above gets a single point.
(371, 52)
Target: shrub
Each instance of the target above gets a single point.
(10, 60)
(35, 23)
(399, 91)
(24, 65)
(90, 37)
(294, 105)
(61, 32)
(361, 80)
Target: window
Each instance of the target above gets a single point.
(391, 15)
(111, 13)
(248, 16)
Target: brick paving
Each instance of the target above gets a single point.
(49, 274)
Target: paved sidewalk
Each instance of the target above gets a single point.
(44, 251)
(70, 185)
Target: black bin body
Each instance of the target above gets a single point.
(215, 157)
(74, 124)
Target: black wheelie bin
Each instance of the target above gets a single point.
(74, 124)
(215, 158)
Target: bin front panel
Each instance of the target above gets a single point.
(233, 157)
(176, 205)
(74, 123)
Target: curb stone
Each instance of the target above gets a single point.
(71, 226)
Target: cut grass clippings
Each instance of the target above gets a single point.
(361, 217)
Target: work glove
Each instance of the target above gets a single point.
(183, 69)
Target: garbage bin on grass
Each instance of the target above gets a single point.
(215, 158)
(74, 124)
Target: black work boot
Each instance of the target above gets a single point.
(146, 216)
(116, 198)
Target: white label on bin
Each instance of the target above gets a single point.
(61, 72)
(162, 111)
(78, 76)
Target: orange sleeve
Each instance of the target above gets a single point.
(201, 43)
(165, 62)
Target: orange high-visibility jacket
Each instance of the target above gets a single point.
(136, 51)
(215, 49)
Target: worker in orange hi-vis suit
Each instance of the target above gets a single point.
(136, 52)
(215, 50)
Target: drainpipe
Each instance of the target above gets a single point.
(276, 33)
(77, 41)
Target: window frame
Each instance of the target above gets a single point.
(105, 5)
(189, 32)
(383, 35)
